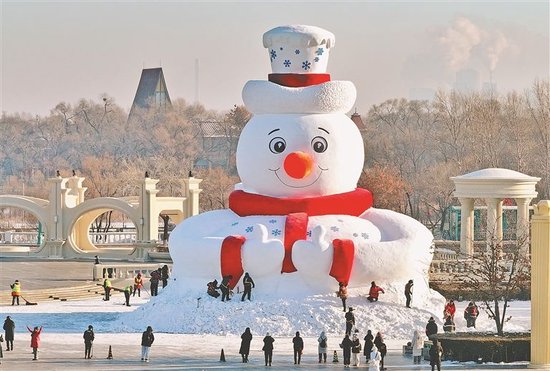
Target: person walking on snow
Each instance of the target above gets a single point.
(164, 275)
(408, 293)
(89, 337)
(147, 339)
(9, 328)
(154, 280)
(417, 346)
(138, 284)
(346, 349)
(368, 344)
(470, 314)
(268, 348)
(15, 292)
(375, 358)
(374, 292)
(436, 351)
(224, 286)
(248, 284)
(379, 344)
(350, 320)
(35, 341)
(431, 328)
(107, 287)
(246, 339)
(298, 346)
(343, 293)
(355, 350)
(323, 346)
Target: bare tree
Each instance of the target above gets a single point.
(496, 274)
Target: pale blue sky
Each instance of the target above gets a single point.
(63, 51)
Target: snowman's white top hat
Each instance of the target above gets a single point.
(299, 82)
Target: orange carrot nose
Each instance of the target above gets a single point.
(298, 164)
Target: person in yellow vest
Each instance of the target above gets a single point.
(138, 284)
(127, 293)
(107, 287)
(15, 292)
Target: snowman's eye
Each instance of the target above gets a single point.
(277, 145)
(319, 144)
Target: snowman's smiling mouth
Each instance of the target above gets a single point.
(298, 186)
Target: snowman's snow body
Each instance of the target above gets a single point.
(300, 149)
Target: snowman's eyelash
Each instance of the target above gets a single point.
(325, 130)
(272, 131)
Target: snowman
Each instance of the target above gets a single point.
(297, 223)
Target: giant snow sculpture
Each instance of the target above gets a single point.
(297, 222)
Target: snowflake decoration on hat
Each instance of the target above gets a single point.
(316, 59)
(287, 63)
(306, 65)
(276, 232)
(320, 51)
(297, 51)
(273, 55)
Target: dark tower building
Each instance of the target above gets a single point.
(151, 91)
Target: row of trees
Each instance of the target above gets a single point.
(412, 147)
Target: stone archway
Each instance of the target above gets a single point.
(35, 206)
(82, 216)
(493, 185)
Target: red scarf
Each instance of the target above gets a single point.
(350, 203)
(297, 211)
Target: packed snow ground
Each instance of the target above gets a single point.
(281, 317)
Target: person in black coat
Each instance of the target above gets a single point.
(147, 339)
(368, 344)
(246, 338)
(164, 275)
(212, 289)
(379, 343)
(431, 327)
(346, 347)
(408, 293)
(89, 337)
(248, 284)
(9, 328)
(298, 345)
(350, 320)
(435, 355)
(224, 286)
(268, 349)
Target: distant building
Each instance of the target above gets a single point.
(356, 118)
(151, 91)
(218, 143)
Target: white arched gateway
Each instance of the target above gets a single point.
(66, 216)
(493, 185)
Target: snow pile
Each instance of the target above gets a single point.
(280, 316)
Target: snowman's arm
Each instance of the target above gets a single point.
(404, 250)
(196, 243)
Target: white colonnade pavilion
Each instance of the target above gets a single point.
(493, 185)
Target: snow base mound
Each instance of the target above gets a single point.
(172, 312)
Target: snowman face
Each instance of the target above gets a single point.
(300, 155)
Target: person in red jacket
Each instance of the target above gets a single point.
(450, 310)
(374, 292)
(35, 340)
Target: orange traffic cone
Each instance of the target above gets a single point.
(110, 355)
(222, 356)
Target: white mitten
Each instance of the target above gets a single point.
(262, 256)
(314, 257)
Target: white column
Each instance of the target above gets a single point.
(499, 234)
(492, 219)
(522, 224)
(466, 223)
